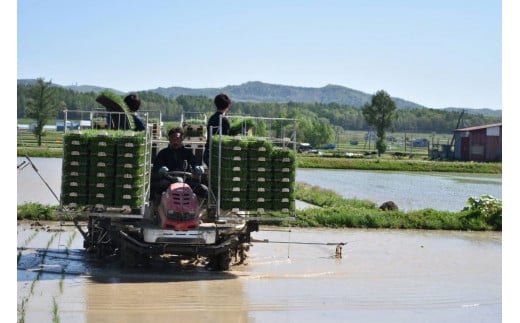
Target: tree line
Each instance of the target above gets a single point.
(318, 123)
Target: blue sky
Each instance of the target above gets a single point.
(438, 53)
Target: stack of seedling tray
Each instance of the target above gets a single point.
(156, 131)
(197, 149)
(284, 177)
(233, 172)
(75, 164)
(254, 176)
(131, 173)
(194, 131)
(260, 175)
(104, 168)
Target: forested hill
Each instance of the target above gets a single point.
(264, 92)
(272, 93)
(328, 116)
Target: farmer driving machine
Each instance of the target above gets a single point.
(107, 181)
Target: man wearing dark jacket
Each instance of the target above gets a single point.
(222, 103)
(174, 158)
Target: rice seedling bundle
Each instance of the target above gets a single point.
(121, 113)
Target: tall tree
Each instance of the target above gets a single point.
(380, 114)
(323, 132)
(41, 106)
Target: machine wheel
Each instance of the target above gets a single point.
(224, 260)
(221, 261)
(129, 257)
(98, 240)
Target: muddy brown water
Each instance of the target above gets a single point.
(383, 276)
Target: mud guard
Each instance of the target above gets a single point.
(203, 250)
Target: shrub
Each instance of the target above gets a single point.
(36, 211)
(486, 208)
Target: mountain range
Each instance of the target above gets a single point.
(256, 91)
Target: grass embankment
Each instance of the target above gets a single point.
(484, 213)
(44, 152)
(390, 163)
(336, 212)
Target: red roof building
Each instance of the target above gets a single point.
(481, 143)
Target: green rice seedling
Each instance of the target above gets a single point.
(55, 314)
(21, 319)
(62, 280)
(49, 242)
(69, 242)
(26, 242)
(33, 283)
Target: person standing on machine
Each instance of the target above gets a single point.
(222, 103)
(133, 102)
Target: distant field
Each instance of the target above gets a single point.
(359, 142)
(52, 139)
(348, 142)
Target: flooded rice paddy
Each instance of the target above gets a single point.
(383, 275)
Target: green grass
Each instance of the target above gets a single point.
(334, 211)
(337, 212)
(395, 164)
(37, 211)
